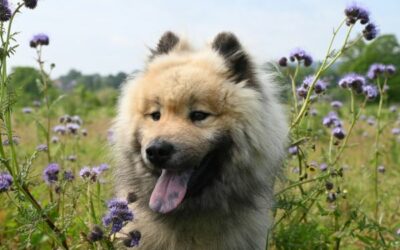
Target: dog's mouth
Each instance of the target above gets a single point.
(170, 190)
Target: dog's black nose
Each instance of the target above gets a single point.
(159, 152)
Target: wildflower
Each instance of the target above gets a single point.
(27, 110)
(393, 109)
(371, 92)
(283, 62)
(353, 81)
(68, 175)
(370, 32)
(320, 87)
(71, 158)
(390, 69)
(293, 150)
(39, 40)
(42, 148)
(296, 170)
(313, 112)
(6, 181)
(31, 4)
(355, 12)
(60, 129)
(118, 213)
(85, 172)
(336, 104)
(338, 133)
(5, 11)
(65, 119)
(84, 132)
(371, 121)
(73, 128)
(302, 92)
(375, 70)
(331, 119)
(15, 141)
(331, 197)
(95, 234)
(36, 103)
(329, 185)
(133, 239)
(381, 169)
(300, 55)
(323, 166)
(77, 120)
(396, 131)
(55, 139)
(50, 174)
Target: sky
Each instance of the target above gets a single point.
(108, 36)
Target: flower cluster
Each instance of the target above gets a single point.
(319, 87)
(42, 148)
(68, 175)
(133, 239)
(118, 214)
(354, 13)
(336, 104)
(93, 173)
(5, 11)
(71, 125)
(358, 84)
(298, 55)
(31, 4)
(6, 181)
(27, 110)
(332, 121)
(377, 69)
(50, 173)
(95, 234)
(39, 40)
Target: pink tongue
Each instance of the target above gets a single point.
(169, 191)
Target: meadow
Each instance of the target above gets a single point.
(339, 184)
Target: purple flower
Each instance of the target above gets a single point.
(393, 109)
(370, 32)
(50, 173)
(320, 87)
(293, 150)
(39, 40)
(36, 103)
(336, 104)
(27, 110)
(133, 239)
(68, 175)
(60, 129)
(283, 62)
(355, 12)
(390, 69)
(301, 91)
(77, 120)
(15, 140)
(118, 213)
(323, 166)
(381, 169)
(371, 92)
(71, 158)
(55, 139)
(396, 131)
(85, 172)
(301, 55)
(353, 81)
(338, 133)
(375, 70)
(371, 121)
(95, 234)
(84, 132)
(73, 128)
(6, 181)
(331, 119)
(5, 11)
(65, 119)
(308, 81)
(313, 112)
(42, 148)
(31, 4)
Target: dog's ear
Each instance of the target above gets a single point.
(238, 62)
(167, 42)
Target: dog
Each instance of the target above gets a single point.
(199, 141)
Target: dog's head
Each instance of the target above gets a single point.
(185, 113)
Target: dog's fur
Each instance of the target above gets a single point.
(239, 147)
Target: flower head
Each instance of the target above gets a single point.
(355, 12)
(55, 139)
(301, 91)
(73, 128)
(65, 119)
(381, 169)
(85, 172)
(5, 11)
(371, 92)
(6, 181)
(39, 40)
(323, 166)
(320, 87)
(27, 110)
(283, 62)
(301, 55)
(71, 158)
(338, 132)
(50, 173)
(31, 4)
(353, 81)
(118, 213)
(60, 129)
(390, 69)
(396, 131)
(336, 104)
(95, 234)
(370, 32)
(332, 119)
(293, 150)
(68, 175)
(42, 148)
(133, 239)
(375, 70)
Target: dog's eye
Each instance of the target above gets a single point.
(155, 116)
(198, 116)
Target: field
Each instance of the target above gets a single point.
(339, 184)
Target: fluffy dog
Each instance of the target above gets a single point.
(199, 141)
